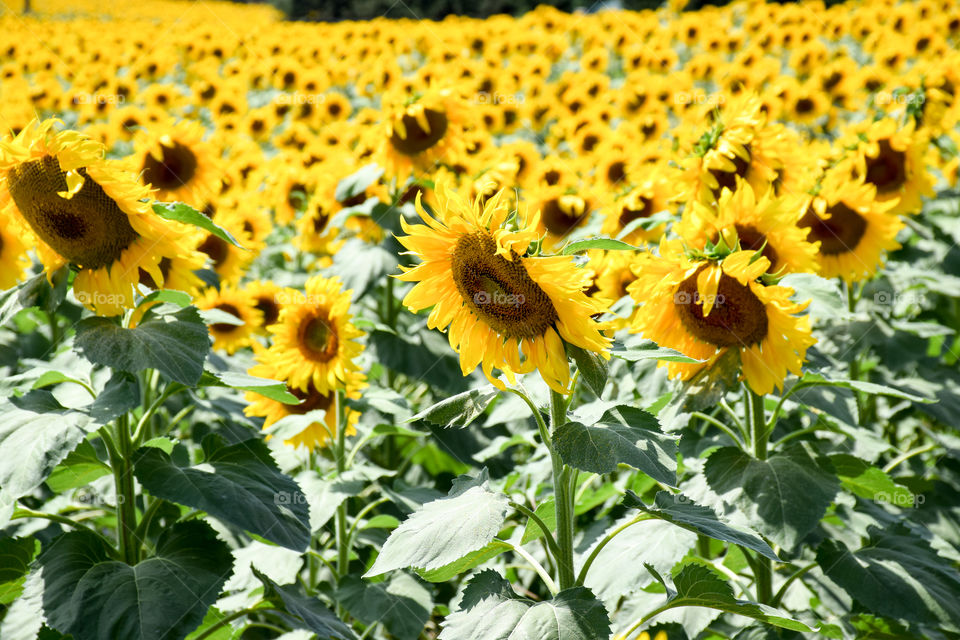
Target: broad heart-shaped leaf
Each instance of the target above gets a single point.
(181, 212)
(698, 586)
(175, 344)
(896, 575)
(592, 368)
(308, 612)
(244, 488)
(783, 497)
(401, 604)
(163, 597)
(36, 434)
(446, 529)
(624, 434)
(490, 610)
(459, 410)
(273, 389)
(684, 512)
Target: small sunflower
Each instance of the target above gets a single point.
(237, 302)
(766, 223)
(314, 341)
(708, 308)
(85, 211)
(504, 310)
(647, 198)
(266, 297)
(317, 434)
(851, 226)
(177, 163)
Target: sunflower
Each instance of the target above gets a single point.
(237, 302)
(85, 211)
(314, 233)
(709, 308)
(766, 223)
(561, 211)
(851, 225)
(317, 434)
(176, 162)
(313, 340)
(892, 160)
(649, 197)
(421, 132)
(13, 250)
(504, 310)
(266, 297)
(228, 260)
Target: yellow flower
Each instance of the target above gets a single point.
(13, 250)
(226, 336)
(177, 163)
(265, 297)
(503, 309)
(709, 308)
(85, 211)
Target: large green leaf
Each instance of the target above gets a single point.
(308, 612)
(446, 529)
(624, 434)
(36, 434)
(698, 586)
(896, 574)
(467, 562)
(783, 497)
(684, 512)
(186, 214)
(401, 604)
(238, 483)
(273, 389)
(81, 467)
(119, 395)
(490, 610)
(16, 554)
(869, 482)
(163, 597)
(176, 344)
(459, 410)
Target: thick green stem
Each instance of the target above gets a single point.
(342, 536)
(122, 465)
(855, 360)
(563, 496)
(759, 434)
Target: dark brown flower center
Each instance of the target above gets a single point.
(216, 249)
(89, 229)
(317, 338)
(752, 239)
(226, 327)
(737, 319)
(728, 179)
(840, 233)
(175, 169)
(560, 215)
(634, 209)
(887, 171)
(616, 172)
(270, 309)
(312, 400)
(500, 291)
(417, 140)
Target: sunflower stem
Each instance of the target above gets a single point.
(563, 497)
(120, 450)
(342, 537)
(759, 435)
(855, 360)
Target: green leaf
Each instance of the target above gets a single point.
(685, 513)
(213, 617)
(648, 350)
(490, 610)
(178, 298)
(896, 575)
(273, 389)
(175, 344)
(811, 379)
(78, 469)
(119, 395)
(467, 562)
(624, 434)
(34, 292)
(867, 481)
(424, 356)
(36, 434)
(357, 182)
(592, 368)
(16, 554)
(698, 586)
(783, 497)
(459, 410)
(607, 244)
(401, 604)
(244, 487)
(181, 212)
(164, 597)
(308, 612)
(446, 529)
(547, 511)
(362, 265)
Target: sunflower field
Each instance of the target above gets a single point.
(565, 326)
